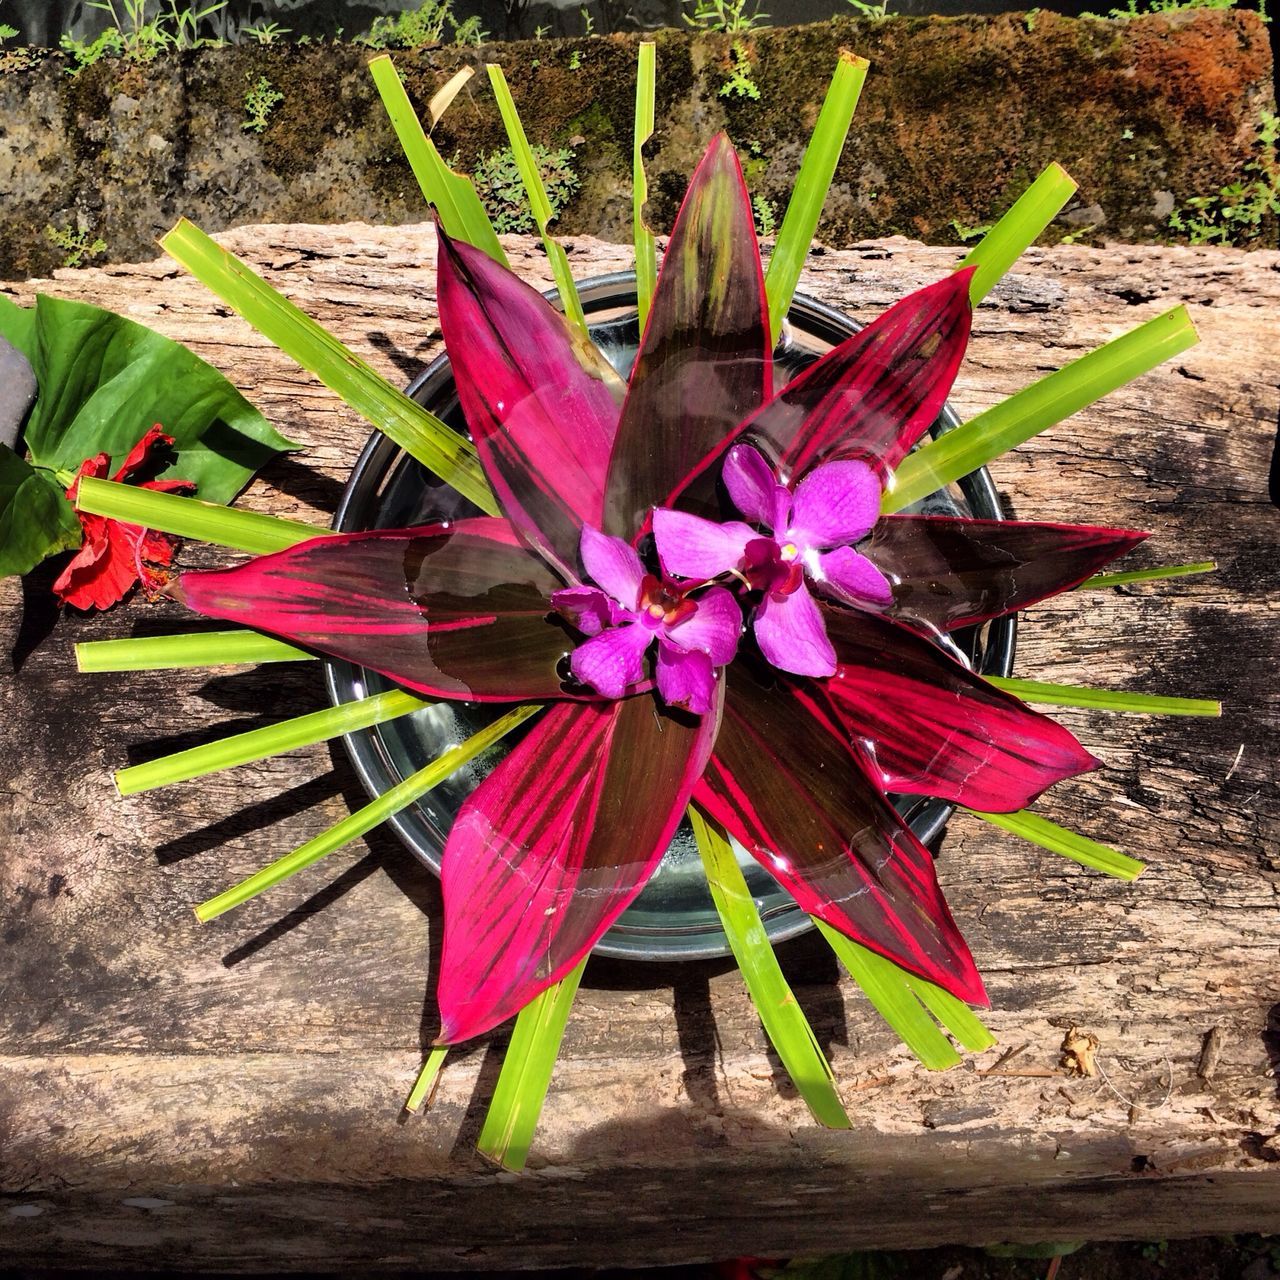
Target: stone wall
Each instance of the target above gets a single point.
(958, 115)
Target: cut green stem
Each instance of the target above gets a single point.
(356, 824)
(1072, 695)
(419, 433)
(451, 194)
(536, 192)
(522, 1085)
(191, 518)
(1146, 575)
(271, 740)
(1005, 243)
(1038, 407)
(953, 1013)
(424, 1086)
(646, 249)
(809, 194)
(1048, 835)
(191, 649)
(782, 1017)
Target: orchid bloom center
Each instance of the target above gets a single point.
(788, 551)
(661, 604)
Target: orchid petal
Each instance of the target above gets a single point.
(791, 635)
(835, 504)
(686, 679)
(714, 628)
(691, 547)
(456, 612)
(536, 396)
(612, 564)
(553, 846)
(705, 361)
(613, 660)
(787, 784)
(586, 608)
(948, 572)
(752, 482)
(851, 578)
(928, 726)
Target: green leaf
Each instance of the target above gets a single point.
(953, 1013)
(784, 1022)
(451, 194)
(105, 380)
(812, 183)
(355, 824)
(418, 432)
(192, 649)
(886, 986)
(1048, 835)
(1005, 243)
(1146, 575)
(186, 517)
(1071, 695)
(1038, 407)
(646, 249)
(425, 1084)
(35, 517)
(271, 740)
(526, 1074)
(539, 205)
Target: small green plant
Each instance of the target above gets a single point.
(264, 32)
(588, 22)
(965, 233)
(1237, 213)
(76, 244)
(541, 33)
(1137, 8)
(766, 215)
(575, 60)
(727, 16)
(260, 100)
(879, 9)
(134, 36)
(469, 31)
(740, 84)
(497, 180)
(422, 26)
(7, 32)
(1029, 19)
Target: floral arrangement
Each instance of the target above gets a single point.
(699, 592)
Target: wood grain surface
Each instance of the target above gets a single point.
(228, 1097)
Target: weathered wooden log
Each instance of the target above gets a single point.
(228, 1096)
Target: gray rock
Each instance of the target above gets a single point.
(17, 391)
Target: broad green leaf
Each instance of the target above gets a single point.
(104, 381)
(35, 517)
(451, 194)
(522, 1083)
(784, 1022)
(1037, 407)
(812, 183)
(418, 432)
(646, 250)
(1071, 695)
(1070, 844)
(539, 205)
(191, 649)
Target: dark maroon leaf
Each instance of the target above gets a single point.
(705, 360)
(948, 572)
(553, 845)
(927, 726)
(786, 782)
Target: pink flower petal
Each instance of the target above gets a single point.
(587, 608)
(714, 629)
(851, 578)
(613, 660)
(685, 680)
(691, 547)
(835, 504)
(791, 634)
(753, 486)
(612, 564)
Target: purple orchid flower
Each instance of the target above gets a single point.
(810, 536)
(633, 610)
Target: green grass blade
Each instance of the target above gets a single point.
(1005, 243)
(452, 194)
(271, 740)
(537, 195)
(1039, 406)
(885, 985)
(191, 518)
(526, 1074)
(812, 183)
(425, 1084)
(421, 434)
(953, 1013)
(356, 824)
(1071, 695)
(1147, 575)
(191, 649)
(1048, 835)
(784, 1022)
(646, 250)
